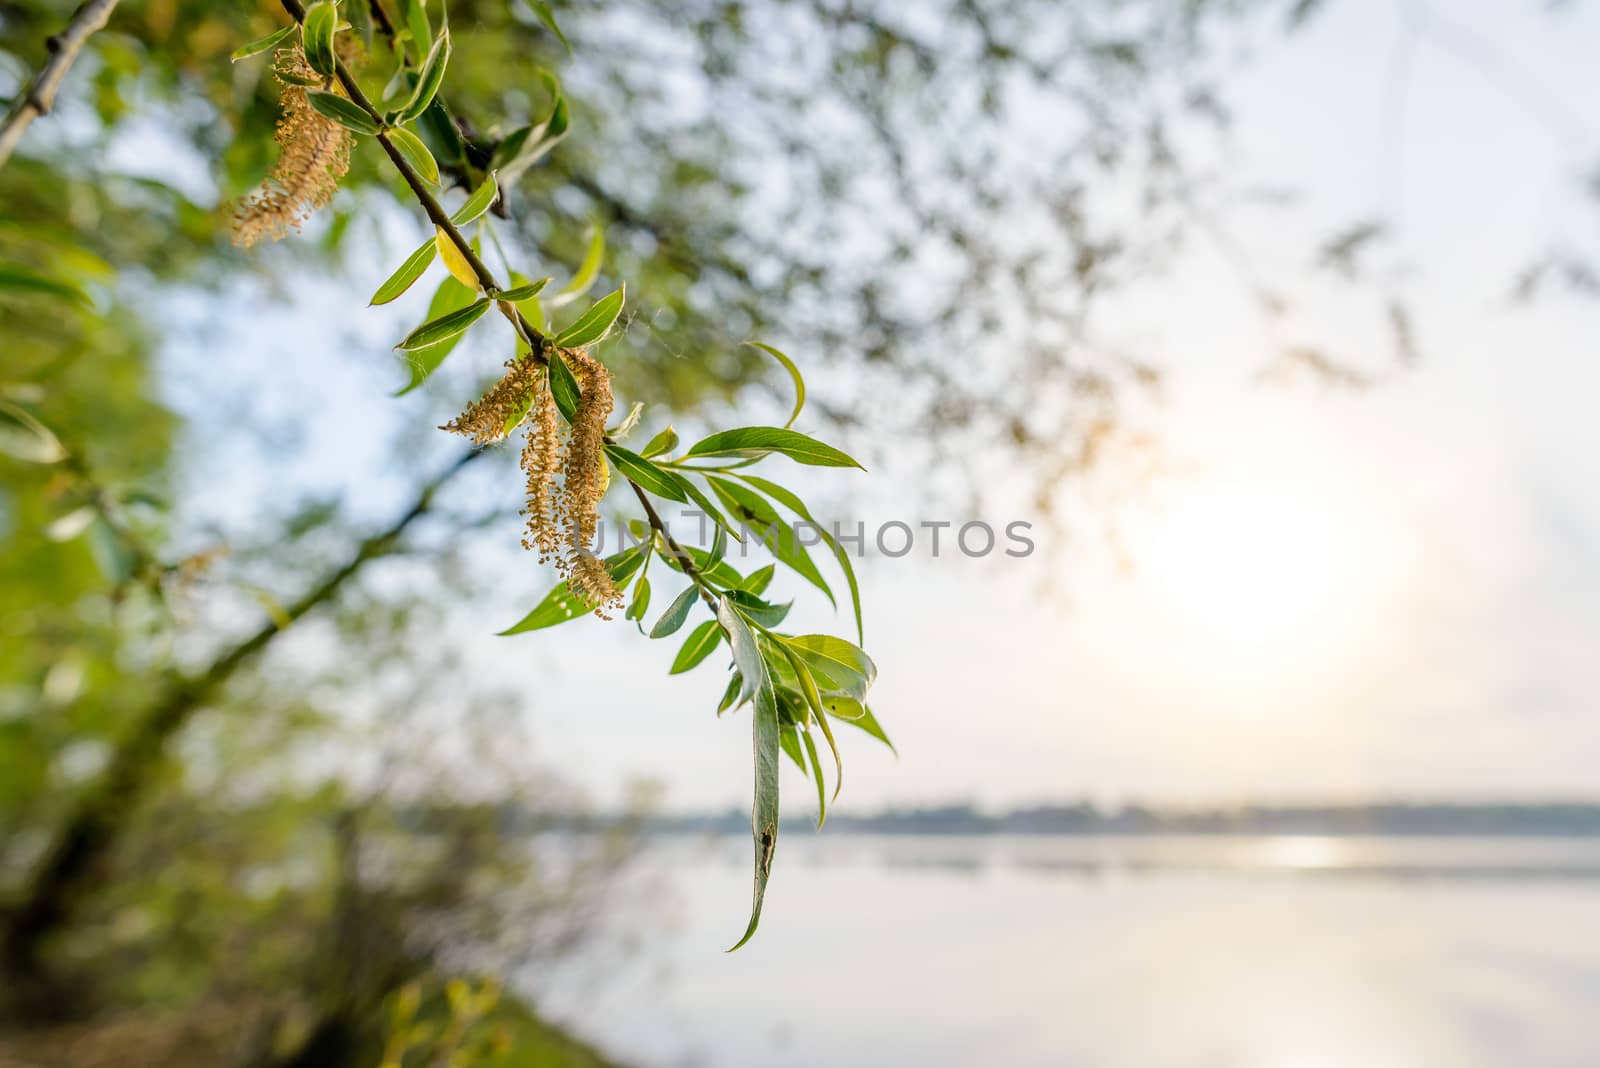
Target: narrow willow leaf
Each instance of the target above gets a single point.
(449, 296)
(641, 600)
(813, 699)
(361, 21)
(409, 271)
(859, 715)
(763, 612)
(765, 731)
(346, 113)
(798, 507)
(758, 581)
(316, 36)
(454, 261)
(446, 326)
(629, 421)
(522, 292)
(588, 270)
(563, 387)
(256, 47)
(25, 438)
(746, 653)
(662, 443)
(704, 503)
(789, 739)
(548, 17)
(794, 373)
(735, 684)
(25, 280)
(760, 440)
(717, 572)
(645, 474)
(593, 324)
(416, 153)
(429, 80)
(677, 613)
(561, 604)
(701, 641)
(439, 131)
(481, 200)
(417, 24)
(822, 787)
(777, 536)
(841, 667)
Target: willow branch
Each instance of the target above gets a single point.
(64, 47)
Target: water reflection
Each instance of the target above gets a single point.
(1209, 952)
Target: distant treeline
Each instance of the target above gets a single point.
(1385, 818)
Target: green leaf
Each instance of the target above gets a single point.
(416, 153)
(346, 113)
(524, 147)
(522, 292)
(588, 270)
(563, 387)
(677, 613)
(735, 684)
(481, 200)
(316, 36)
(25, 280)
(765, 732)
(25, 438)
(261, 44)
(839, 666)
(718, 572)
(789, 739)
(663, 442)
(702, 640)
(758, 581)
(561, 604)
(548, 17)
(776, 535)
(700, 499)
(361, 20)
(593, 324)
(794, 373)
(822, 787)
(763, 612)
(798, 507)
(646, 474)
(761, 440)
(629, 421)
(857, 714)
(450, 296)
(417, 23)
(813, 699)
(429, 80)
(641, 600)
(446, 326)
(409, 271)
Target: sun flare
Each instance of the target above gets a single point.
(1261, 558)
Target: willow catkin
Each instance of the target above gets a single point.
(541, 461)
(313, 154)
(583, 483)
(494, 415)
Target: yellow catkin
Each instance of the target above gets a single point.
(313, 154)
(583, 483)
(491, 417)
(541, 462)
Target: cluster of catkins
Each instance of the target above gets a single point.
(563, 516)
(313, 154)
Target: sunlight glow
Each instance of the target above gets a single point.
(1261, 560)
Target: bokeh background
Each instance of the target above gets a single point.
(1275, 322)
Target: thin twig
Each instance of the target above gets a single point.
(41, 95)
(537, 342)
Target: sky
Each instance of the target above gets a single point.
(1333, 594)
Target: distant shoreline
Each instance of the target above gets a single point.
(1387, 819)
